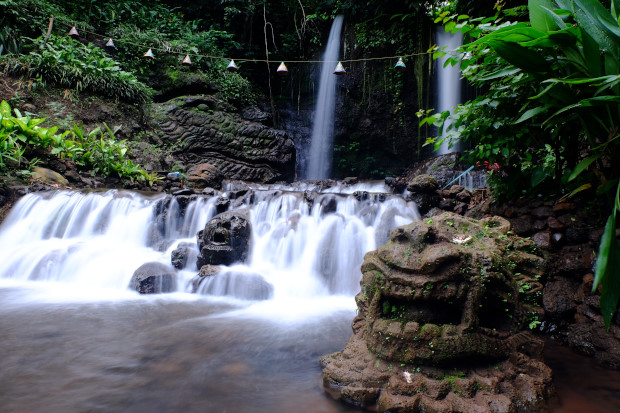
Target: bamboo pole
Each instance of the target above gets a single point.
(50, 26)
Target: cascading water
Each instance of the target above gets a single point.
(448, 80)
(304, 247)
(319, 158)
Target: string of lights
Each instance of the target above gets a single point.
(232, 66)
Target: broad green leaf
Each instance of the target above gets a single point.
(615, 8)
(557, 18)
(5, 109)
(582, 166)
(34, 122)
(539, 18)
(597, 21)
(538, 175)
(531, 113)
(607, 240)
(591, 54)
(498, 73)
(519, 56)
(607, 271)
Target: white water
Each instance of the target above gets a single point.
(448, 82)
(320, 156)
(76, 246)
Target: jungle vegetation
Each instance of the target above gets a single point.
(548, 110)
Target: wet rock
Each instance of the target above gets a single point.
(48, 176)
(244, 286)
(522, 225)
(588, 335)
(463, 196)
(423, 184)
(182, 254)
(558, 297)
(328, 204)
(426, 201)
(443, 168)
(225, 239)
(398, 184)
(204, 175)
(221, 204)
(206, 270)
(255, 114)
(350, 180)
(154, 278)
(542, 239)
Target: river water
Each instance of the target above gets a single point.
(74, 338)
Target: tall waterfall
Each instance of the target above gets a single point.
(320, 156)
(306, 243)
(448, 80)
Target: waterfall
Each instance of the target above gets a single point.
(305, 243)
(448, 82)
(320, 156)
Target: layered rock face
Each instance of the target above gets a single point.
(441, 323)
(207, 131)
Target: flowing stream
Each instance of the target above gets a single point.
(77, 339)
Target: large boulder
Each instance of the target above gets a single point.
(444, 293)
(225, 239)
(154, 278)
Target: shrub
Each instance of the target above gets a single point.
(97, 150)
(68, 63)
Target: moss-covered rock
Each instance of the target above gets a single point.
(444, 293)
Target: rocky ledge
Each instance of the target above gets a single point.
(205, 130)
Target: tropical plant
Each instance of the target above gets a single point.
(98, 150)
(551, 111)
(68, 63)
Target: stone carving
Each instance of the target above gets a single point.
(225, 239)
(441, 325)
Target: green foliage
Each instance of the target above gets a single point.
(97, 150)
(70, 64)
(551, 112)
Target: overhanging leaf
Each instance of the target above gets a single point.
(539, 18)
(531, 113)
(519, 56)
(610, 293)
(582, 166)
(604, 250)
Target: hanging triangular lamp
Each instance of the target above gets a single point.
(186, 61)
(149, 54)
(282, 70)
(73, 32)
(110, 44)
(400, 65)
(232, 67)
(339, 69)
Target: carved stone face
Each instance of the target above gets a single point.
(225, 239)
(443, 291)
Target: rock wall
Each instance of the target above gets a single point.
(205, 130)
